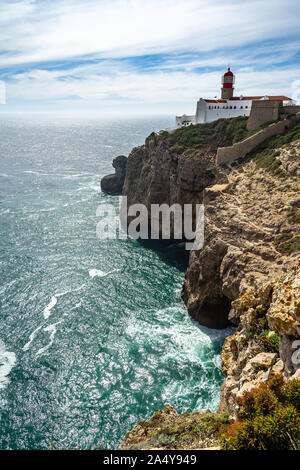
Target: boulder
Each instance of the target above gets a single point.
(113, 184)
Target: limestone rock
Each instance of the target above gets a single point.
(284, 312)
(113, 184)
(252, 219)
(263, 361)
(278, 367)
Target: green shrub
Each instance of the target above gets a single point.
(220, 133)
(247, 338)
(265, 401)
(258, 402)
(273, 431)
(291, 394)
(269, 418)
(276, 384)
(290, 246)
(271, 338)
(265, 154)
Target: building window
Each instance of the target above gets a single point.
(230, 107)
(234, 107)
(241, 107)
(246, 107)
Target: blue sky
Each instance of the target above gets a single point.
(144, 56)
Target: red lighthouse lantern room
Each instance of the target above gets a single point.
(228, 80)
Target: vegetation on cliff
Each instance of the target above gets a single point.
(210, 136)
(268, 418)
(266, 154)
(248, 265)
(167, 429)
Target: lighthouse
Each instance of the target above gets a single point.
(227, 85)
(229, 106)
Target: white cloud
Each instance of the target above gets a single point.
(33, 31)
(121, 87)
(205, 34)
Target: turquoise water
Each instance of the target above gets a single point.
(93, 333)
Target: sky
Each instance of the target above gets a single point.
(143, 56)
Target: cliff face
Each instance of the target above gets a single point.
(162, 171)
(167, 429)
(252, 248)
(113, 184)
(268, 320)
(246, 272)
(251, 236)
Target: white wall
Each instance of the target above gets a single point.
(208, 112)
(185, 120)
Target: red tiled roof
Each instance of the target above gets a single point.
(249, 98)
(215, 101)
(272, 98)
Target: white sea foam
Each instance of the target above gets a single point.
(32, 172)
(8, 285)
(31, 338)
(7, 362)
(96, 188)
(96, 273)
(5, 211)
(47, 310)
(186, 339)
(47, 210)
(70, 290)
(52, 330)
(77, 175)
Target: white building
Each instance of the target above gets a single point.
(228, 106)
(185, 120)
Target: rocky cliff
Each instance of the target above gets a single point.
(113, 184)
(247, 271)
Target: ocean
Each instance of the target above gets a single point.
(93, 333)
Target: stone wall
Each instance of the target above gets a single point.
(227, 155)
(290, 109)
(263, 111)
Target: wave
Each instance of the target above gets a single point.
(98, 273)
(77, 175)
(7, 362)
(31, 338)
(186, 339)
(52, 329)
(95, 188)
(8, 285)
(47, 310)
(53, 301)
(47, 210)
(70, 290)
